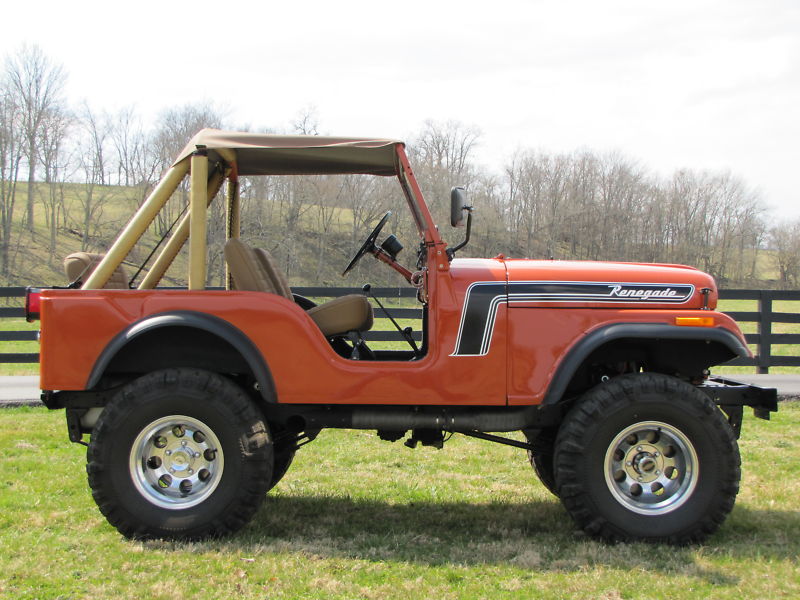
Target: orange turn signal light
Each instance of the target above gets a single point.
(695, 321)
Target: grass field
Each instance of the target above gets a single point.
(359, 518)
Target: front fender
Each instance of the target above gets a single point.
(645, 331)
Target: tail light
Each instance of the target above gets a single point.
(32, 304)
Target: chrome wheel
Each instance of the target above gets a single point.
(651, 468)
(176, 462)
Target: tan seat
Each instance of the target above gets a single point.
(79, 265)
(255, 270)
(248, 273)
(279, 281)
(342, 314)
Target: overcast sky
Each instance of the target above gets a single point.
(703, 84)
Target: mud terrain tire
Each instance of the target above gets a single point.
(179, 454)
(283, 455)
(647, 457)
(541, 459)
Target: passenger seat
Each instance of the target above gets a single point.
(254, 269)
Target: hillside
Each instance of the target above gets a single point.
(310, 255)
(313, 239)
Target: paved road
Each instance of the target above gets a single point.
(24, 390)
(19, 390)
(788, 385)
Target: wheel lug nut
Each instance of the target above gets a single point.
(658, 472)
(638, 448)
(183, 442)
(171, 470)
(168, 452)
(656, 454)
(191, 472)
(197, 455)
(629, 464)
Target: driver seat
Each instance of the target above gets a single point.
(254, 269)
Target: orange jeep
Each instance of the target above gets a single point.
(195, 400)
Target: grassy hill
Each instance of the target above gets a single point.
(36, 258)
(310, 255)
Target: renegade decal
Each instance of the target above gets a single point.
(483, 297)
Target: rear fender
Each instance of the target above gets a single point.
(219, 328)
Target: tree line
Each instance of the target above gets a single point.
(579, 205)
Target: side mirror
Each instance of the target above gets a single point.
(458, 206)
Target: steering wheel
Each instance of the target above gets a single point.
(369, 243)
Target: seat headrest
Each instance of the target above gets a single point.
(79, 265)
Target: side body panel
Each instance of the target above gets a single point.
(491, 341)
(78, 324)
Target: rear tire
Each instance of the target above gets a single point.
(179, 454)
(647, 457)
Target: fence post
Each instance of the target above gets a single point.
(765, 331)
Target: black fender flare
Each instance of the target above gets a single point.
(651, 331)
(186, 318)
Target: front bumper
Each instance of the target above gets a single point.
(732, 396)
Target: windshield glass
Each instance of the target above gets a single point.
(314, 224)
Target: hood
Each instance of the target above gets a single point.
(555, 283)
(588, 283)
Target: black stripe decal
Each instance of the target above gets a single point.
(484, 297)
(477, 317)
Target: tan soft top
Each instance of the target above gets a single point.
(264, 154)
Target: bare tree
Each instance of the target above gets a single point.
(442, 155)
(92, 144)
(37, 86)
(176, 126)
(785, 241)
(448, 145)
(10, 158)
(306, 122)
(174, 129)
(137, 161)
(52, 135)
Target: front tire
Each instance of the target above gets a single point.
(647, 457)
(541, 459)
(179, 454)
(284, 451)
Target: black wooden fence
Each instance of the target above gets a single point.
(764, 339)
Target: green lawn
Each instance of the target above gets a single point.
(18, 347)
(359, 518)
